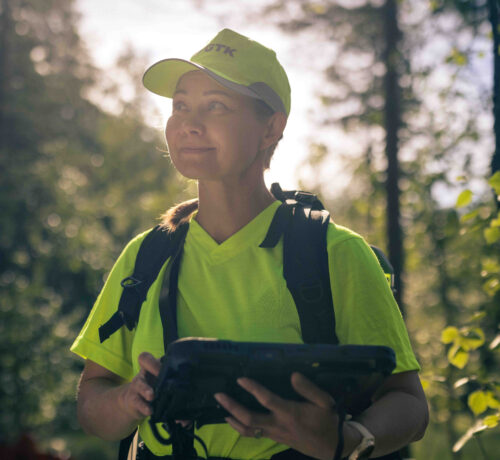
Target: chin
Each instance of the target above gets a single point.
(197, 173)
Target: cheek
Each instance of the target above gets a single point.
(247, 138)
(169, 128)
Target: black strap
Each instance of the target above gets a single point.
(305, 267)
(307, 199)
(386, 265)
(290, 454)
(281, 221)
(168, 295)
(155, 249)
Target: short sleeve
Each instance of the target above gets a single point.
(366, 312)
(114, 353)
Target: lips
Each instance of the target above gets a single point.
(195, 150)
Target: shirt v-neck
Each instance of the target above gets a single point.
(252, 234)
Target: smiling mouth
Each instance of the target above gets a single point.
(195, 150)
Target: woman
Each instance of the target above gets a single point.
(230, 107)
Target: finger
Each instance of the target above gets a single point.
(266, 398)
(241, 413)
(142, 406)
(149, 363)
(310, 391)
(240, 428)
(142, 387)
(184, 423)
(134, 403)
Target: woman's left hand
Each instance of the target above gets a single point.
(309, 426)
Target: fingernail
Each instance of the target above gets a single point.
(242, 381)
(218, 397)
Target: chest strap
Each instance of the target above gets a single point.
(155, 249)
(305, 267)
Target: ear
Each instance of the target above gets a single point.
(275, 126)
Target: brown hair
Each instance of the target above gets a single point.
(182, 212)
(178, 214)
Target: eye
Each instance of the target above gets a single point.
(178, 105)
(216, 105)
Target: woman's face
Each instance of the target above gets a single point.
(213, 132)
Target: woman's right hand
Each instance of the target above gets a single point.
(136, 396)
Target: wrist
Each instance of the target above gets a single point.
(352, 438)
(365, 446)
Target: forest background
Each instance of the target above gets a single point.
(411, 83)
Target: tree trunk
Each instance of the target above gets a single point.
(4, 70)
(495, 161)
(392, 120)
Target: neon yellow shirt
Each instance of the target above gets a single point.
(236, 291)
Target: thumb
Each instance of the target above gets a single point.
(310, 391)
(149, 363)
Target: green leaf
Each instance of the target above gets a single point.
(458, 357)
(476, 317)
(316, 8)
(469, 216)
(449, 334)
(494, 181)
(492, 234)
(492, 401)
(434, 5)
(478, 402)
(464, 198)
(490, 266)
(491, 421)
(472, 339)
(492, 286)
(457, 57)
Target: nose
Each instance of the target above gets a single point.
(192, 124)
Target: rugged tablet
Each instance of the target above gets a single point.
(196, 368)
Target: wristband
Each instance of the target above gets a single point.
(367, 444)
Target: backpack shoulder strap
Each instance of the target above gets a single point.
(155, 249)
(303, 224)
(386, 267)
(305, 268)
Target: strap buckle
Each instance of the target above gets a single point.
(305, 197)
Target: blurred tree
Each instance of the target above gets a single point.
(368, 94)
(77, 182)
(476, 13)
(392, 122)
(443, 133)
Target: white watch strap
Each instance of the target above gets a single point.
(362, 429)
(368, 440)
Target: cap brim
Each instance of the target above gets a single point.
(162, 77)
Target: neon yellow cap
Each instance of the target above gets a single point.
(234, 61)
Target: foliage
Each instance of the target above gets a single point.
(82, 180)
(483, 398)
(77, 183)
(446, 110)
